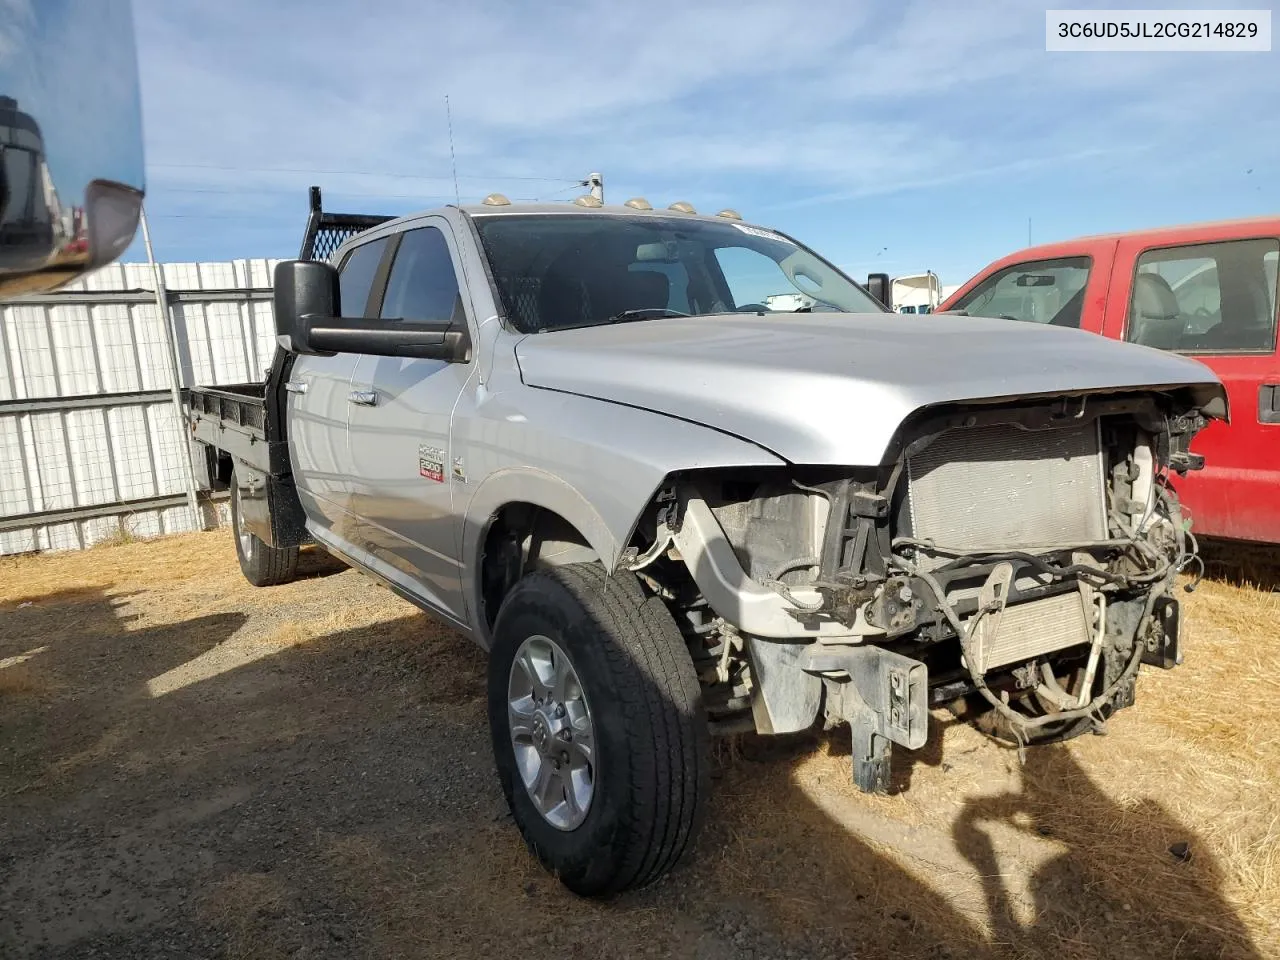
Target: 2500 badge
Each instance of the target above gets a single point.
(431, 463)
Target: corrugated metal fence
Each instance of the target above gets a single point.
(90, 445)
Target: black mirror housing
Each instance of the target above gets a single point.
(303, 289)
(326, 336)
(881, 287)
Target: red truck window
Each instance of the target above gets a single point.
(1043, 291)
(1209, 298)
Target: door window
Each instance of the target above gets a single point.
(422, 285)
(356, 276)
(1208, 298)
(1046, 291)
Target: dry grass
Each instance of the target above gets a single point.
(1212, 734)
(485, 899)
(238, 905)
(20, 680)
(1196, 760)
(140, 584)
(1065, 857)
(118, 566)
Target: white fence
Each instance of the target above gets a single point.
(91, 447)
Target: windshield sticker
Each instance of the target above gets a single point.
(757, 232)
(431, 463)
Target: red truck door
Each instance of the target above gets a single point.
(1214, 298)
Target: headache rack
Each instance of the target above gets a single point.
(328, 231)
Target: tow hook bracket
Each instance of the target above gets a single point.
(1160, 646)
(884, 700)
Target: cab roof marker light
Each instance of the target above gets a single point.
(680, 206)
(587, 200)
(496, 200)
(638, 203)
(730, 214)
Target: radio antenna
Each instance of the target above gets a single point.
(453, 159)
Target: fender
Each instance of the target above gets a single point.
(597, 464)
(530, 485)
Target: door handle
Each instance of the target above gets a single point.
(296, 386)
(1269, 403)
(366, 398)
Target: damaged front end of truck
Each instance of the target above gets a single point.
(1015, 561)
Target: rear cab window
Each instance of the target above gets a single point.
(1043, 291)
(1209, 298)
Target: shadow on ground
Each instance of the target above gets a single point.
(1242, 563)
(336, 798)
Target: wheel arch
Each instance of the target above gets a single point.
(561, 513)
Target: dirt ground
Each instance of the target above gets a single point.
(190, 767)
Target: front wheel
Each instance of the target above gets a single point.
(263, 566)
(598, 728)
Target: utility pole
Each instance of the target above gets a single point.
(596, 182)
(175, 381)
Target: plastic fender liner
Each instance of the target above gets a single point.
(786, 698)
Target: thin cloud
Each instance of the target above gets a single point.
(748, 104)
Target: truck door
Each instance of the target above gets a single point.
(1216, 301)
(318, 408)
(403, 476)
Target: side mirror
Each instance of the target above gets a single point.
(302, 289)
(71, 170)
(880, 287)
(307, 301)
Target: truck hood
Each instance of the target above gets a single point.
(833, 388)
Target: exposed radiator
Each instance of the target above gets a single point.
(1001, 487)
(1031, 630)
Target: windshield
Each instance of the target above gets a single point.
(555, 271)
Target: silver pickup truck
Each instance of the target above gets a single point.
(590, 438)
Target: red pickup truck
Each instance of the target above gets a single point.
(1205, 290)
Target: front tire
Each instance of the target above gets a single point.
(262, 566)
(628, 807)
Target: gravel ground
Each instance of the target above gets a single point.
(193, 768)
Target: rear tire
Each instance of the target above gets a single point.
(648, 770)
(262, 566)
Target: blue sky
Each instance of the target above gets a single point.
(898, 136)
